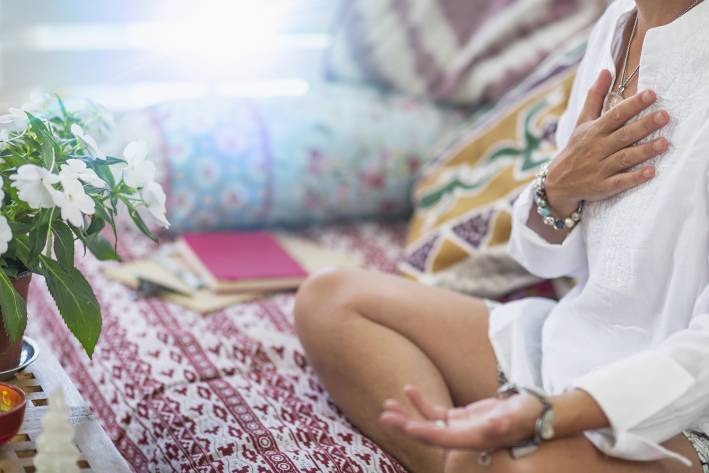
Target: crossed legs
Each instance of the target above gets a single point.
(369, 334)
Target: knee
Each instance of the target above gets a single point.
(322, 298)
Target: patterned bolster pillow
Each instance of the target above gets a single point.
(340, 152)
(463, 201)
(455, 51)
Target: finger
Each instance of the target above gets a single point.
(432, 434)
(593, 106)
(425, 408)
(392, 405)
(627, 180)
(637, 130)
(634, 155)
(619, 115)
(394, 421)
(458, 413)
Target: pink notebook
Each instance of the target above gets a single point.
(242, 261)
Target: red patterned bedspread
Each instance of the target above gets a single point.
(229, 392)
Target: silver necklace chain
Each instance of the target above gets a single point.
(623, 81)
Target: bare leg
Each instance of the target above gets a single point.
(369, 334)
(573, 454)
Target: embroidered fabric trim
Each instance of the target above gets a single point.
(700, 442)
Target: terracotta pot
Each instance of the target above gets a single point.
(10, 352)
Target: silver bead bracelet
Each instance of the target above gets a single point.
(548, 217)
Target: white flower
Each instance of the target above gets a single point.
(5, 234)
(76, 169)
(88, 142)
(38, 103)
(15, 120)
(138, 171)
(73, 201)
(154, 198)
(34, 185)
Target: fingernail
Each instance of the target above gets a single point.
(660, 146)
(662, 118)
(648, 172)
(648, 96)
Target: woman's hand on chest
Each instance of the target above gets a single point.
(603, 151)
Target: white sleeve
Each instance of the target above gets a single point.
(535, 254)
(667, 386)
(538, 256)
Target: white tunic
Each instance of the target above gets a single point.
(634, 332)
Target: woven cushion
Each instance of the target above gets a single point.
(457, 51)
(463, 202)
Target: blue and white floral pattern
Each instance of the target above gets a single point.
(339, 152)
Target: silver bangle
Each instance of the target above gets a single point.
(543, 427)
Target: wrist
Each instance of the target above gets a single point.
(576, 411)
(532, 411)
(559, 201)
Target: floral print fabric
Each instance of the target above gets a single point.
(338, 152)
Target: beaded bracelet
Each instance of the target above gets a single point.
(540, 198)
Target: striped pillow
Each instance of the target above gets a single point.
(456, 51)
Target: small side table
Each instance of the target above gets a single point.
(98, 453)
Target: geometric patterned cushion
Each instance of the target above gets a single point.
(463, 202)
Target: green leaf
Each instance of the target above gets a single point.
(19, 228)
(13, 307)
(37, 125)
(102, 169)
(11, 272)
(37, 241)
(42, 219)
(112, 160)
(97, 221)
(14, 161)
(47, 148)
(22, 251)
(62, 107)
(103, 215)
(48, 153)
(76, 302)
(138, 220)
(101, 248)
(64, 244)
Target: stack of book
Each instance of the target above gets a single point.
(209, 271)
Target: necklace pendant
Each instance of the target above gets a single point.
(612, 99)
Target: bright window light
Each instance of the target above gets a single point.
(208, 30)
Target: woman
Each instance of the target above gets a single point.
(623, 359)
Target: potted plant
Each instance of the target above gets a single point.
(56, 187)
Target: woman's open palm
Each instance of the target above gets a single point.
(490, 423)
